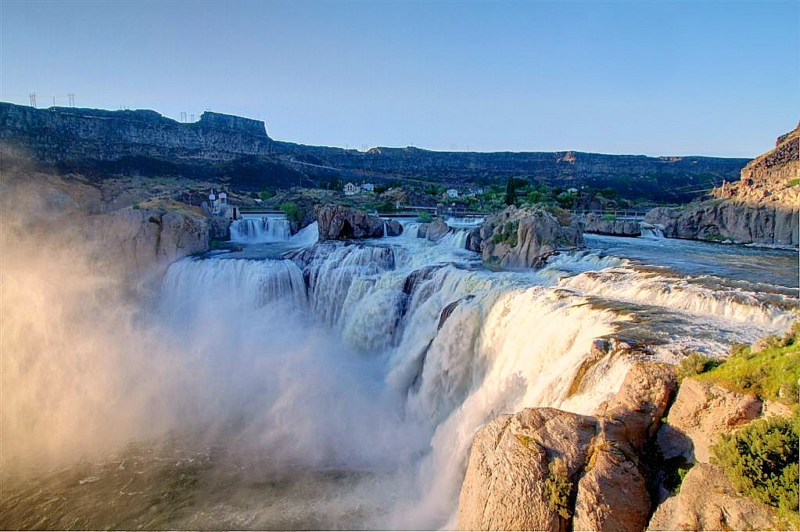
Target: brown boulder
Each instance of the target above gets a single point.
(505, 488)
(337, 222)
(708, 501)
(437, 230)
(524, 238)
(701, 412)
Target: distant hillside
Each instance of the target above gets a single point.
(238, 151)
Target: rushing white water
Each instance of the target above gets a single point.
(651, 231)
(260, 229)
(345, 384)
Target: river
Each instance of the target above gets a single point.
(342, 389)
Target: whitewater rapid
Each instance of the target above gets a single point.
(339, 385)
(454, 345)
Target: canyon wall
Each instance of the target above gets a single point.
(761, 208)
(225, 148)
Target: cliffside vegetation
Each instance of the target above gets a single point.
(761, 458)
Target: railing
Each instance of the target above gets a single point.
(625, 214)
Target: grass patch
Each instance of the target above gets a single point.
(695, 364)
(425, 217)
(794, 182)
(771, 373)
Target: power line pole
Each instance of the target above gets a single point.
(183, 116)
(32, 97)
(54, 101)
(71, 99)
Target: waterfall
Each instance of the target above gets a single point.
(389, 358)
(651, 230)
(254, 230)
(456, 238)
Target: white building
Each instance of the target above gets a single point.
(572, 190)
(350, 189)
(213, 202)
(452, 193)
(368, 187)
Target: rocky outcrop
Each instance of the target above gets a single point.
(524, 238)
(474, 240)
(708, 501)
(436, 230)
(761, 208)
(505, 486)
(701, 413)
(144, 242)
(544, 469)
(601, 225)
(337, 222)
(729, 220)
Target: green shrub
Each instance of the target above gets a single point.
(136, 206)
(609, 217)
(291, 210)
(794, 182)
(761, 460)
(266, 194)
(695, 364)
(558, 488)
(425, 217)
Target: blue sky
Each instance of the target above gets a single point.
(657, 78)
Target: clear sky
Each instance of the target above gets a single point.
(657, 78)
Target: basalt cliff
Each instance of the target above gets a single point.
(238, 152)
(761, 208)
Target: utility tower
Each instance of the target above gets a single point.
(32, 97)
(71, 99)
(183, 116)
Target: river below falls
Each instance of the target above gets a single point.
(342, 390)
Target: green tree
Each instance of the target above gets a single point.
(511, 191)
(292, 211)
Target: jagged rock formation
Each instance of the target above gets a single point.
(337, 222)
(763, 207)
(544, 469)
(596, 223)
(524, 238)
(235, 150)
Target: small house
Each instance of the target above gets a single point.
(452, 193)
(350, 189)
(368, 187)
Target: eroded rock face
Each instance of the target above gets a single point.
(145, 242)
(436, 230)
(594, 223)
(700, 414)
(504, 487)
(761, 208)
(337, 222)
(509, 468)
(524, 238)
(708, 501)
(720, 220)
